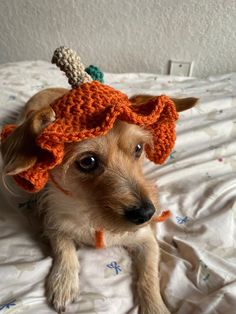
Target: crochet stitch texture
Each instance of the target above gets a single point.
(90, 110)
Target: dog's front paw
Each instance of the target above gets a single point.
(62, 287)
(156, 310)
(153, 308)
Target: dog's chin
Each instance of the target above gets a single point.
(118, 224)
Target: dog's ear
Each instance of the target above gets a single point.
(18, 148)
(181, 104)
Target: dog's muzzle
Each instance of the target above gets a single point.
(140, 214)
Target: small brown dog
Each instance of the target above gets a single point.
(107, 186)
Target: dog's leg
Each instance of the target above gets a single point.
(145, 259)
(63, 280)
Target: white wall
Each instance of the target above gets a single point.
(123, 35)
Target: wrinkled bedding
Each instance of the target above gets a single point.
(197, 184)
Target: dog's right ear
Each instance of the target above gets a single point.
(19, 150)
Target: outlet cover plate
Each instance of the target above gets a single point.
(181, 68)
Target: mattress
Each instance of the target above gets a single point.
(197, 184)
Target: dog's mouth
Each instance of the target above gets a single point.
(127, 219)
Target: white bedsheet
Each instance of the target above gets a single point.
(197, 183)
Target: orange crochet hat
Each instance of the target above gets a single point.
(90, 110)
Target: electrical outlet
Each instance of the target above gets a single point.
(181, 68)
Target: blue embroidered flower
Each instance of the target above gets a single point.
(12, 97)
(206, 277)
(172, 154)
(115, 266)
(7, 305)
(204, 271)
(182, 220)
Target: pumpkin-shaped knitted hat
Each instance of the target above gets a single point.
(90, 109)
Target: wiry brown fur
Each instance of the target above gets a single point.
(97, 200)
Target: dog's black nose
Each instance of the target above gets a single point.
(139, 215)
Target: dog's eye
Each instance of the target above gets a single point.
(88, 163)
(138, 150)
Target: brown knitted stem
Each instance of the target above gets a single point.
(69, 62)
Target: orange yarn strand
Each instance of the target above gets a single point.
(165, 214)
(58, 186)
(100, 241)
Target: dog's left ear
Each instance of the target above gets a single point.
(181, 104)
(18, 147)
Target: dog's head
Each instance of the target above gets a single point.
(103, 174)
